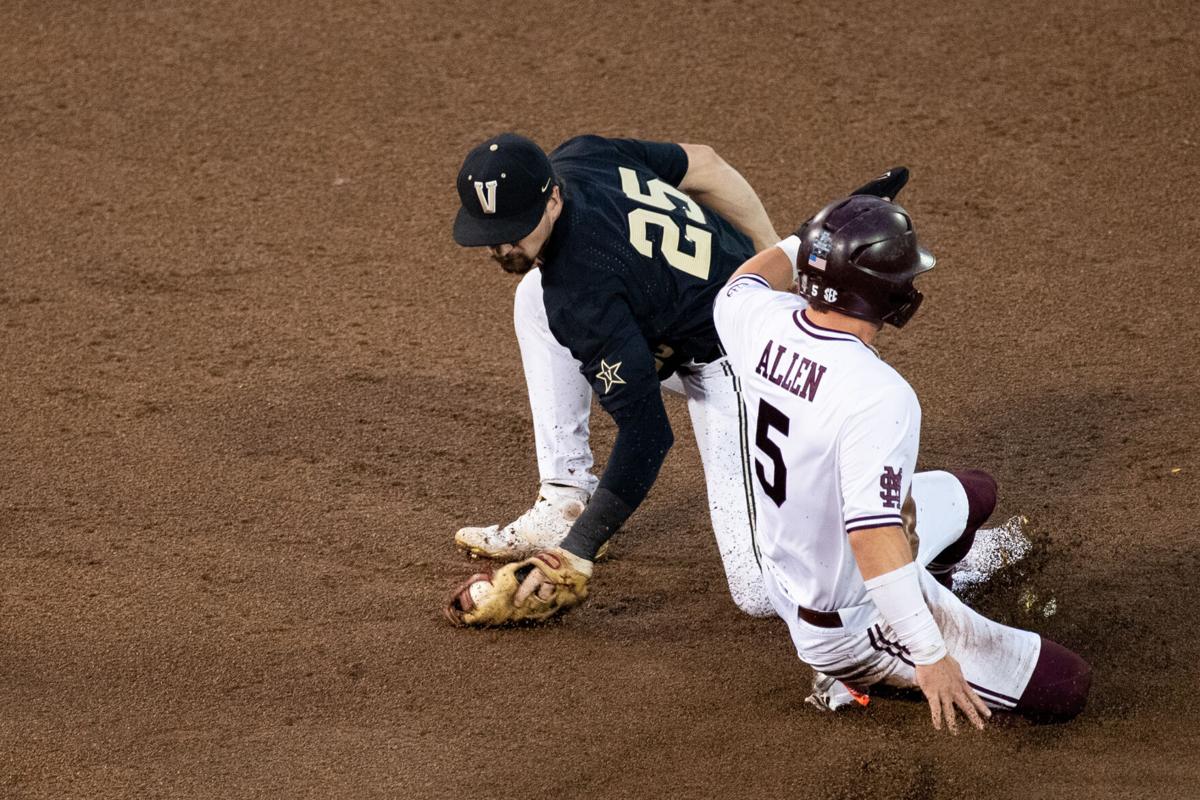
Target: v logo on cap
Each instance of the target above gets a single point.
(486, 200)
(485, 218)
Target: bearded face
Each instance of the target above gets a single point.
(517, 258)
(514, 262)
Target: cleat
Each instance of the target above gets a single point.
(862, 698)
(830, 694)
(542, 527)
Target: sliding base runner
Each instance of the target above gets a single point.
(836, 434)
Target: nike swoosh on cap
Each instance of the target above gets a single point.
(545, 185)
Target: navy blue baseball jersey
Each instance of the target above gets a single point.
(633, 265)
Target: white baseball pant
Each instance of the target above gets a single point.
(560, 399)
(995, 659)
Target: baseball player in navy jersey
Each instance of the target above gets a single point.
(623, 244)
(836, 432)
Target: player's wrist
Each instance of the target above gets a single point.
(791, 248)
(580, 564)
(898, 597)
(930, 653)
(599, 521)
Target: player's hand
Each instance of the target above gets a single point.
(535, 583)
(945, 688)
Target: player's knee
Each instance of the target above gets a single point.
(1058, 689)
(528, 297)
(981, 496)
(751, 602)
(980, 489)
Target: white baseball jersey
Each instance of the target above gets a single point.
(834, 430)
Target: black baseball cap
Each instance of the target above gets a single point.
(503, 185)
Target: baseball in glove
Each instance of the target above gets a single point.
(532, 590)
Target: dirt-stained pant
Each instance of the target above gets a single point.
(995, 659)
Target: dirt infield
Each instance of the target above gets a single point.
(251, 387)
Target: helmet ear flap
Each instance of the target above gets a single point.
(904, 310)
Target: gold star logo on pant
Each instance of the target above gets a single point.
(608, 374)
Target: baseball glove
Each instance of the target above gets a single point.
(887, 185)
(532, 590)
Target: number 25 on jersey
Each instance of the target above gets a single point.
(658, 195)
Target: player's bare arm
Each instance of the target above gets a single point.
(885, 560)
(711, 181)
(773, 265)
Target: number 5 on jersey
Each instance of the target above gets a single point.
(658, 195)
(770, 417)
